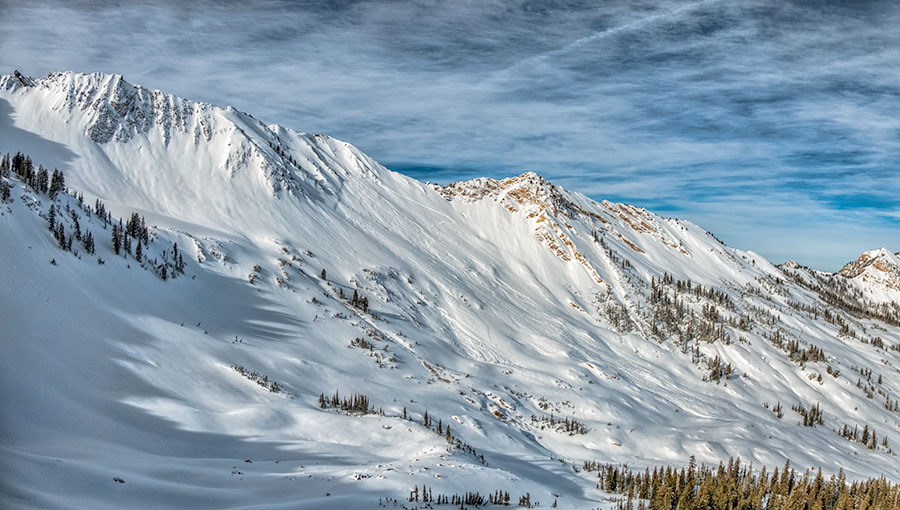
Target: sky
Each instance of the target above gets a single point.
(773, 124)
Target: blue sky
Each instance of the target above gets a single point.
(776, 125)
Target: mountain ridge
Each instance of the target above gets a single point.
(492, 305)
(106, 93)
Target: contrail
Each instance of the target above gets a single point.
(531, 61)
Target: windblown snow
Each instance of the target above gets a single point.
(490, 304)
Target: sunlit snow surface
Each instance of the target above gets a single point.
(488, 303)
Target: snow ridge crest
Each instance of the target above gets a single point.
(112, 110)
(117, 110)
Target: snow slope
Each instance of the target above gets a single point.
(492, 304)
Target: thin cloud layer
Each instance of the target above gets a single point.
(774, 124)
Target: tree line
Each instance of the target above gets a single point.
(67, 221)
(736, 486)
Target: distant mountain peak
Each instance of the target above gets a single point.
(881, 259)
(878, 269)
(791, 264)
(25, 81)
(528, 184)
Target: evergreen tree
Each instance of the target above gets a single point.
(18, 165)
(686, 500)
(736, 487)
(57, 183)
(61, 236)
(132, 227)
(117, 238)
(100, 211)
(4, 191)
(41, 180)
(145, 232)
(4, 167)
(24, 168)
(88, 242)
(76, 226)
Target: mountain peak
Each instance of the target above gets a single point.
(880, 259)
(117, 109)
(15, 80)
(26, 81)
(791, 264)
(877, 253)
(878, 271)
(112, 113)
(527, 188)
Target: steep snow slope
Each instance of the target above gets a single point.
(491, 304)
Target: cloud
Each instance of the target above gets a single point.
(767, 122)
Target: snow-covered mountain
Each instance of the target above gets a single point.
(499, 307)
(877, 273)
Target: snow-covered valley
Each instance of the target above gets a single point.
(496, 307)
